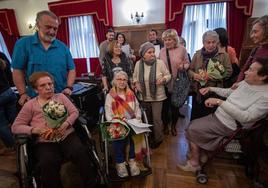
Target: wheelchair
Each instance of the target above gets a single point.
(28, 171)
(106, 150)
(231, 144)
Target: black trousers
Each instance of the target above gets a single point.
(170, 113)
(51, 155)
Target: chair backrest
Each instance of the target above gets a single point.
(95, 66)
(80, 66)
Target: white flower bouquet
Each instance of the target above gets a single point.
(216, 70)
(55, 114)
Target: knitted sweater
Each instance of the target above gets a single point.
(246, 104)
(161, 71)
(31, 115)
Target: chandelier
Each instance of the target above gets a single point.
(137, 17)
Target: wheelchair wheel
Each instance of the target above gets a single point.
(201, 177)
(25, 179)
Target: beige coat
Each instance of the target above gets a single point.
(161, 71)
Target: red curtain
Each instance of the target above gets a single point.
(100, 29)
(63, 31)
(238, 12)
(237, 15)
(100, 9)
(8, 28)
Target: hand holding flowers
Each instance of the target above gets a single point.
(55, 114)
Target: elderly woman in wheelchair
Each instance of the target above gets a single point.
(122, 103)
(246, 104)
(49, 117)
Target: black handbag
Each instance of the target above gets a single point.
(181, 87)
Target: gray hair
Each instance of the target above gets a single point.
(212, 34)
(42, 13)
(171, 33)
(116, 74)
(263, 22)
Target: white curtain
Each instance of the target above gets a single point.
(3, 47)
(199, 19)
(82, 37)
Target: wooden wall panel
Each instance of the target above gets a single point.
(136, 35)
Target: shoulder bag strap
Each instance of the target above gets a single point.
(168, 60)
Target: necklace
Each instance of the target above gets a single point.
(116, 60)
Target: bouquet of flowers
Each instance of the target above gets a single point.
(216, 70)
(204, 75)
(55, 114)
(116, 129)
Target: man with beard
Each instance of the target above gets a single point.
(104, 45)
(42, 52)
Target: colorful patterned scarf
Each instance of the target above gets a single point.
(120, 107)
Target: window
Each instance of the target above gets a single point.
(200, 18)
(3, 47)
(83, 42)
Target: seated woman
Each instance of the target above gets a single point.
(121, 102)
(246, 104)
(50, 150)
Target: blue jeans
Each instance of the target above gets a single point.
(8, 113)
(119, 148)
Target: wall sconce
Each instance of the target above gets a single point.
(137, 17)
(31, 25)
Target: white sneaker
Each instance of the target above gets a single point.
(134, 169)
(121, 170)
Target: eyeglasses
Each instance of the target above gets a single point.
(121, 79)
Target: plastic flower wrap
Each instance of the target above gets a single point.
(116, 129)
(55, 114)
(215, 69)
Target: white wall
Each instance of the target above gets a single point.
(25, 11)
(154, 11)
(260, 8)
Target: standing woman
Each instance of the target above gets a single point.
(8, 111)
(150, 75)
(176, 59)
(259, 35)
(225, 47)
(199, 67)
(126, 48)
(114, 61)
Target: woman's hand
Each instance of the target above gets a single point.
(197, 77)
(38, 130)
(211, 102)
(63, 127)
(204, 91)
(161, 81)
(137, 87)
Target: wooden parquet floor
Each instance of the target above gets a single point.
(223, 173)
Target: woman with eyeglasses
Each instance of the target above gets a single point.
(114, 61)
(122, 103)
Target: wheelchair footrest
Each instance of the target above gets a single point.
(233, 147)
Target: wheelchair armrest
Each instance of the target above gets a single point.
(22, 138)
